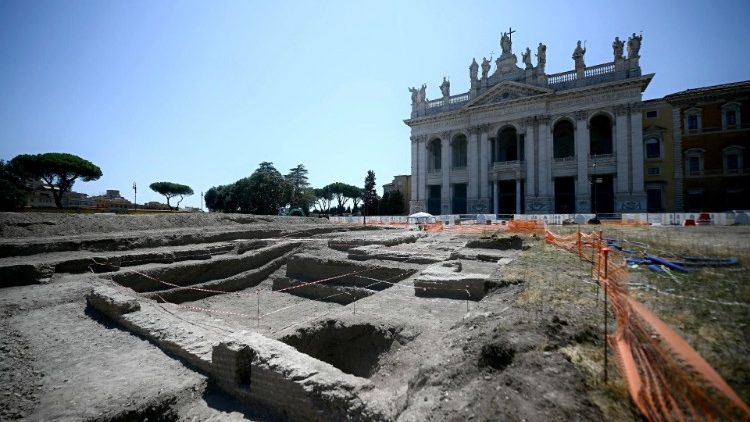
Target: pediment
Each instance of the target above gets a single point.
(507, 91)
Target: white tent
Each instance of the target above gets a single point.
(421, 218)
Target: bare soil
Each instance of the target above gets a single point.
(530, 349)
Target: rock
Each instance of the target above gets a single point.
(112, 302)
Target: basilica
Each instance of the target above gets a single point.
(525, 141)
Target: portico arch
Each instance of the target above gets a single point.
(563, 139)
(434, 154)
(600, 134)
(507, 144)
(459, 151)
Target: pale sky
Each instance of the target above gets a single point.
(200, 93)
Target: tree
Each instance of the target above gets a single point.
(392, 203)
(170, 190)
(13, 190)
(58, 170)
(355, 194)
(369, 195)
(323, 198)
(267, 190)
(297, 178)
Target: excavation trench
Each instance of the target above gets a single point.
(355, 349)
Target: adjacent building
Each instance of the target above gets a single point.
(711, 141)
(401, 183)
(659, 156)
(524, 141)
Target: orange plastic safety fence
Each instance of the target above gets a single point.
(667, 379)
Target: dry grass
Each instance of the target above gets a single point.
(709, 307)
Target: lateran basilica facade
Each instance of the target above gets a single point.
(524, 141)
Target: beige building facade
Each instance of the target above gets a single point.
(524, 141)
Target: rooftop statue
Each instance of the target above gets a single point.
(445, 87)
(527, 58)
(541, 55)
(578, 55)
(418, 96)
(473, 70)
(506, 43)
(634, 45)
(617, 47)
(485, 67)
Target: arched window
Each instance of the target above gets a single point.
(458, 152)
(434, 155)
(600, 135)
(563, 139)
(507, 148)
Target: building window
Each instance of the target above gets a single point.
(651, 114)
(653, 149)
(693, 120)
(733, 159)
(694, 161)
(654, 171)
(730, 116)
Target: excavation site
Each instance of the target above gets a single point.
(191, 317)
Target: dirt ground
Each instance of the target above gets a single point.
(531, 349)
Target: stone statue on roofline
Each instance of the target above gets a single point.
(485, 67)
(526, 57)
(617, 48)
(505, 43)
(578, 54)
(541, 55)
(418, 95)
(473, 70)
(634, 45)
(445, 87)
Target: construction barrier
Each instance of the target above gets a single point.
(667, 379)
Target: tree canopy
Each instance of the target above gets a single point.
(264, 192)
(58, 170)
(301, 196)
(13, 190)
(170, 190)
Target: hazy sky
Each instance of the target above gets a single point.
(201, 92)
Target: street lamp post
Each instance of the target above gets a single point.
(135, 196)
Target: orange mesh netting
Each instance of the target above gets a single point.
(667, 379)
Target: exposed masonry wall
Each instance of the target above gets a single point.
(198, 272)
(440, 280)
(311, 267)
(291, 383)
(330, 293)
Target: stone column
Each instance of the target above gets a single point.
(484, 162)
(518, 194)
(529, 152)
(622, 152)
(545, 158)
(445, 167)
(496, 197)
(582, 141)
(422, 168)
(472, 165)
(414, 169)
(636, 143)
